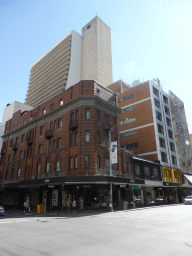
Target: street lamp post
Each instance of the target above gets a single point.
(110, 168)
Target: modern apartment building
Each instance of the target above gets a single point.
(146, 126)
(75, 57)
(181, 132)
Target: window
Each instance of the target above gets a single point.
(146, 171)
(76, 138)
(12, 172)
(98, 137)
(127, 120)
(126, 98)
(157, 103)
(28, 170)
(7, 174)
(55, 124)
(19, 172)
(165, 99)
(72, 117)
(155, 173)
(38, 169)
(130, 168)
(61, 102)
(87, 113)
(49, 145)
(71, 162)
(158, 115)
(53, 144)
(126, 167)
(160, 128)
(14, 156)
(106, 118)
(107, 139)
(59, 123)
(162, 142)
(98, 162)
(9, 158)
(98, 115)
(137, 170)
(126, 134)
(17, 140)
(167, 111)
(40, 148)
(170, 134)
(87, 163)
(24, 153)
(174, 160)
(22, 138)
(20, 154)
(71, 142)
(25, 121)
(11, 143)
(41, 130)
(118, 90)
(51, 125)
(87, 136)
(130, 146)
(168, 121)
(57, 165)
(18, 126)
(164, 157)
(59, 143)
(172, 146)
(52, 106)
(75, 162)
(98, 92)
(155, 91)
(47, 167)
(44, 111)
(128, 108)
(77, 114)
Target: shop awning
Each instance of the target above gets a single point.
(189, 177)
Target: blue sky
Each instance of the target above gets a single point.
(149, 39)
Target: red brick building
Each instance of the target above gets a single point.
(60, 148)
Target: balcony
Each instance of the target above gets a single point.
(49, 134)
(73, 124)
(29, 141)
(15, 147)
(107, 126)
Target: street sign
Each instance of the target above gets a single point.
(134, 187)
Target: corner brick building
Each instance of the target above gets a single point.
(60, 149)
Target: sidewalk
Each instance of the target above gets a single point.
(81, 213)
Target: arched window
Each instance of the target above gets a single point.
(44, 111)
(61, 102)
(52, 106)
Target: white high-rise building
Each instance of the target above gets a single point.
(96, 60)
(73, 58)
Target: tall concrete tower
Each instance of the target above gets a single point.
(96, 58)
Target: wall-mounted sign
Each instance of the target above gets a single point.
(55, 198)
(134, 187)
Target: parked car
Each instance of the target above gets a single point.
(2, 211)
(160, 200)
(188, 200)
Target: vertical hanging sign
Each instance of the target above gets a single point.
(114, 152)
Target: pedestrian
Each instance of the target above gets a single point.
(74, 205)
(26, 207)
(170, 198)
(81, 203)
(68, 205)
